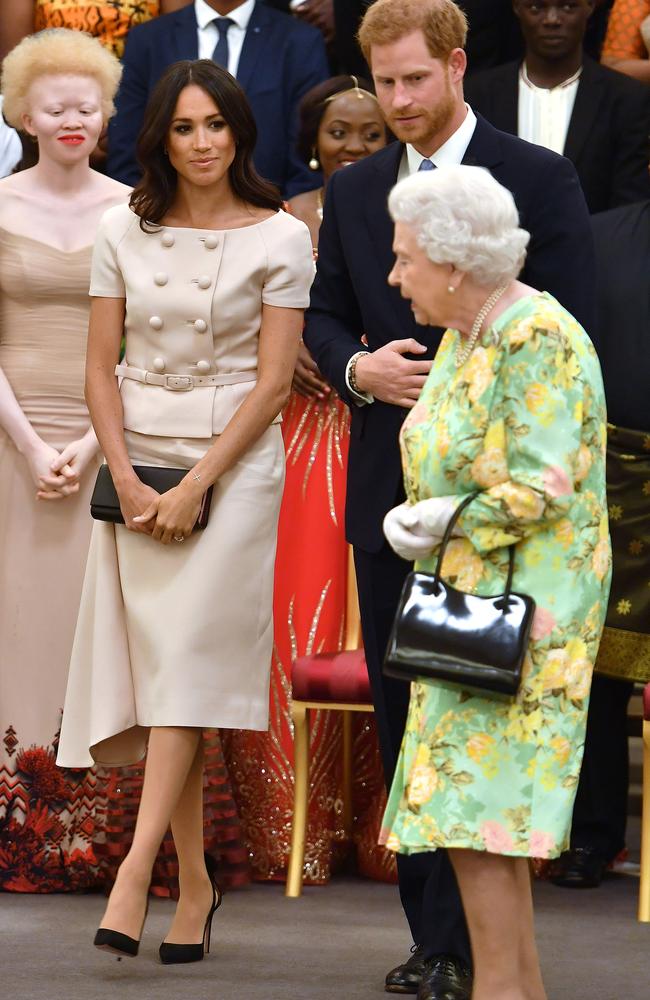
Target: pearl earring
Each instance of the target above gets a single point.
(313, 163)
(451, 289)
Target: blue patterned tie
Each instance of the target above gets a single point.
(221, 53)
(426, 165)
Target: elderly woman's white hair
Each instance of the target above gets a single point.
(463, 216)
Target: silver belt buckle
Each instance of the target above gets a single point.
(179, 383)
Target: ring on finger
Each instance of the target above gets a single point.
(179, 538)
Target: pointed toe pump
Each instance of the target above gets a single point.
(175, 954)
(118, 943)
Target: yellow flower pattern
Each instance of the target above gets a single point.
(523, 422)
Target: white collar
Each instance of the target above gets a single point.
(559, 86)
(205, 14)
(452, 151)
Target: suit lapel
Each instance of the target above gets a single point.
(254, 40)
(484, 148)
(381, 179)
(186, 39)
(585, 110)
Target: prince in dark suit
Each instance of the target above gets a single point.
(598, 118)
(276, 58)
(421, 97)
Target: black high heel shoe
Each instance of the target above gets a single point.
(118, 943)
(174, 954)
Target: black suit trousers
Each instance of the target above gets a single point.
(600, 810)
(427, 883)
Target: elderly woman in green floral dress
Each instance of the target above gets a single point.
(513, 408)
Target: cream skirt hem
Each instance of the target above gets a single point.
(177, 635)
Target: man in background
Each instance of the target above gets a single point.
(276, 58)
(560, 98)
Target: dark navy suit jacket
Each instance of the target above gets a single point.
(350, 295)
(607, 138)
(281, 59)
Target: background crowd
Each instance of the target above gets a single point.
(573, 78)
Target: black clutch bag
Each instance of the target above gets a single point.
(105, 505)
(441, 633)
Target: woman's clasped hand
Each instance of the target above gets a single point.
(170, 516)
(57, 474)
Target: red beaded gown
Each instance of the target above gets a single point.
(309, 616)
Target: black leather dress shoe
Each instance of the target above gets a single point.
(406, 978)
(445, 979)
(580, 868)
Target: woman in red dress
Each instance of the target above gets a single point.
(340, 123)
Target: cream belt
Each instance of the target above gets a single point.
(183, 383)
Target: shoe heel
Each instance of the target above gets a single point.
(176, 954)
(207, 934)
(216, 902)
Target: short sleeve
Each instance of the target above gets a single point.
(106, 279)
(290, 268)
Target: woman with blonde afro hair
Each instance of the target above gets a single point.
(58, 89)
(49, 53)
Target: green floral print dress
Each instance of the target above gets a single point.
(523, 421)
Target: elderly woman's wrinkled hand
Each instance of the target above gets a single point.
(414, 530)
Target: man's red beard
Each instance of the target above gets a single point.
(431, 122)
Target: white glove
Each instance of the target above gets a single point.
(434, 515)
(414, 530)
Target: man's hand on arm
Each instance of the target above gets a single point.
(388, 376)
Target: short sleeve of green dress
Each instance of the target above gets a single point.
(523, 421)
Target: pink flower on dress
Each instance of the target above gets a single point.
(556, 481)
(543, 624)
(496, 837)
(541, 844)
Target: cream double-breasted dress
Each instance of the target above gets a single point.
(181, 635)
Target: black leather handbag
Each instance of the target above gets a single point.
(105, 504)
(441, 633)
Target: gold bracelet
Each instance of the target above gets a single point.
(352, 371)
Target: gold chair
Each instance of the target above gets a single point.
(331, 682)
(644, 888)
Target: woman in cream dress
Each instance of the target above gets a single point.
(48, 453)
(207, 279)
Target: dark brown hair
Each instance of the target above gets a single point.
(154, 194)
(314, 105)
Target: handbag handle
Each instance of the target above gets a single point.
(445, 541)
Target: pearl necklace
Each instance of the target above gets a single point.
(464, 351)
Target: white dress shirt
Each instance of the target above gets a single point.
(543, 114)
(208, 33)
(450, 153)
